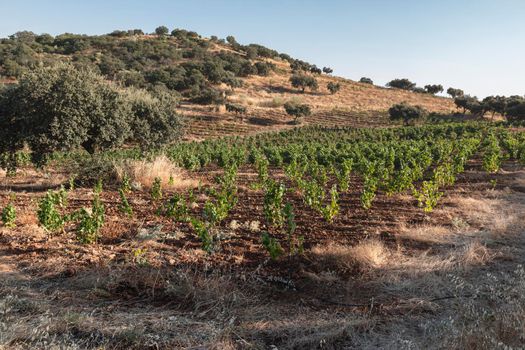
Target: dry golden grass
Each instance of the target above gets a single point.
(145, 172)
(356, 104)
(352, 96)
(364, 256)
(425, 233)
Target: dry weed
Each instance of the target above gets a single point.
(145, 172)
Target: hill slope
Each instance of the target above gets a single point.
(356, 104)
(206, 73)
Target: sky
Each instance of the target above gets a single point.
(475, 45)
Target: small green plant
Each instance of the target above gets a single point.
(9, 216)
(272, 245)
(331, 210)
(313, 193)
(295, 244)
(343, 174)
(139, 256)
(176, 208)
(48, 215)
(124, 206)
(191, 196)
(171, 181)
(203, 232)
(492, 157)
(61, 197)
(99, 187)
(261, 164)
(72, 183)
(493, 183)
(90, 222)
(125, 185)
(428, 196)
(156, 189)
(273, 203)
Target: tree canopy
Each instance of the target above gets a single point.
(403, 84)
(162, 30)
(406, 112)
(433, 89)
(302, 82)
(366, 80)
(62, 108)
(298, 111)
(455, 92)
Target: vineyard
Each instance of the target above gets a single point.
(259, 215)
(319, 171)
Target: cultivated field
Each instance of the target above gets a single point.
(170, 191)
(331, 238)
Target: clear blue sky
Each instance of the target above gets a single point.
(476, 45)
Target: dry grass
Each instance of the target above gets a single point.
(365, 256)
(356, 104)
(425, 233)
(144, 173)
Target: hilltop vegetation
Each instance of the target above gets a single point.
(204, 74)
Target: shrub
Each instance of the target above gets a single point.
(263, 68)
(315, 70)
(154, 122)
(328, 70)
(90, 222)
(433, 89)
(48, 215)
(455, 92)
(61, 108)
(208, 96)
(162, 30)
(405, 112)
(156, 189)
(302, 82)
(230, 39)
(516, 108)
(403, 84)
(471, 104)
(297, 110)
(365, 80)
(333, 87)
(235, 108)
(495, 104)
(9, 216)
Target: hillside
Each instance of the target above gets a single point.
(114, 234)
(356, 104)
(202, 71)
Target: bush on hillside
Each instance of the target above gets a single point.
(61, 108)
(433, 89)
(302, 82)
(333, 87)
(403, 84)
(455, 92)
(406, 112)
(162, 30)
(298, 111)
